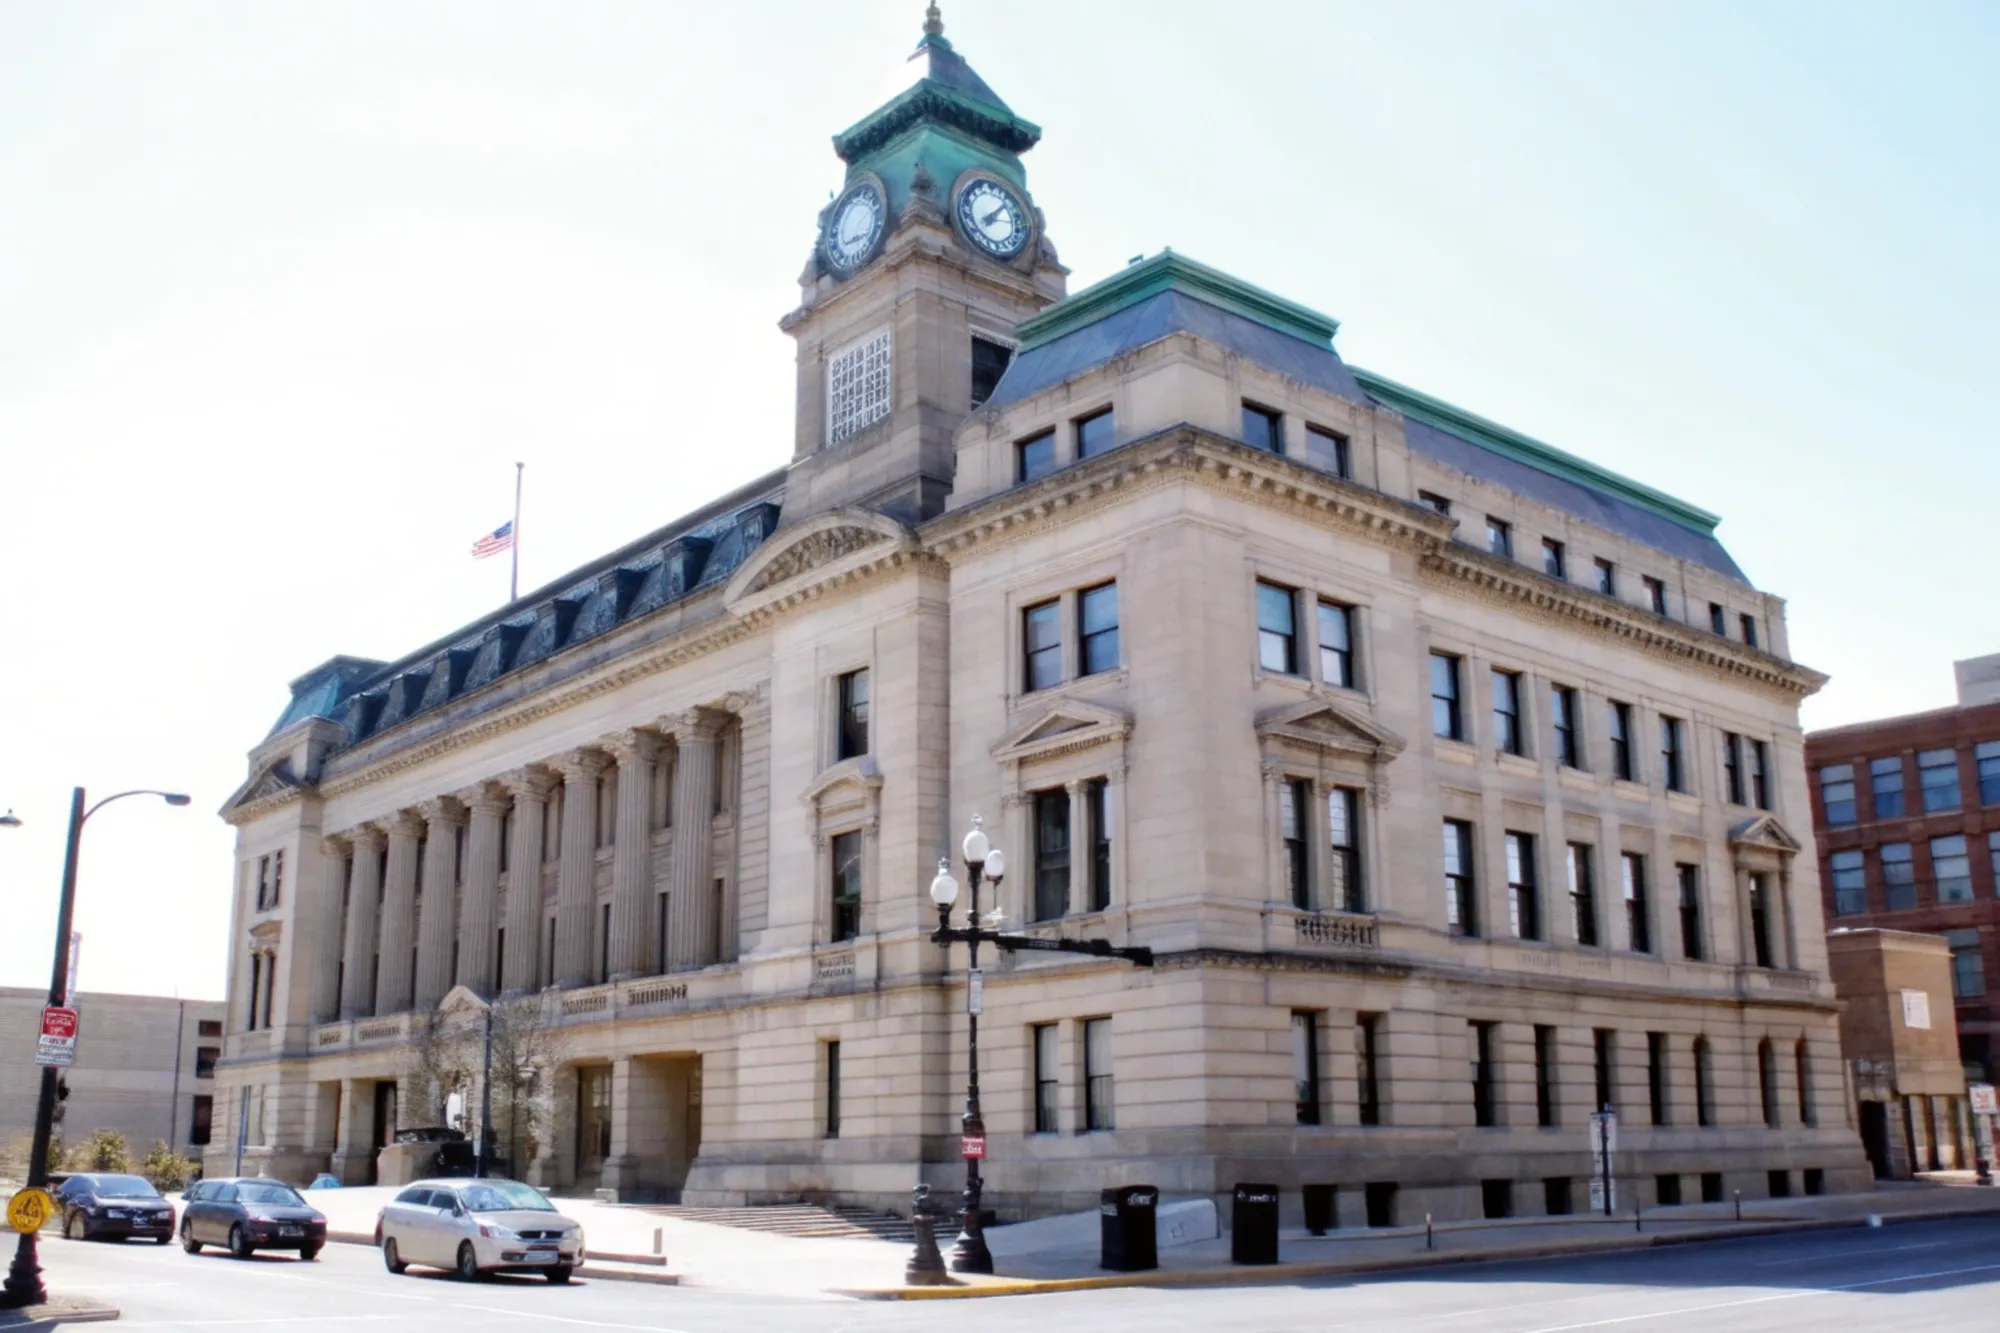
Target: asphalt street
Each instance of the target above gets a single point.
(1942, 1275)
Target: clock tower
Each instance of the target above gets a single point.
(928, 257)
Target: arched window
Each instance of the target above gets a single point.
(1767, 1081)
(1704, 1083)
(1802, 1062)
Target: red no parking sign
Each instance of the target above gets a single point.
(57, 1044)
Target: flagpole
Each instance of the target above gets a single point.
(514, 576)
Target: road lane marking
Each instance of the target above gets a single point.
(1764, 1300)
(1838, 1255)
(265, 1322)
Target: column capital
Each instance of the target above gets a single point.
(442, 812)
(696, 724)
(404, 823)
(489, 796)
(530, 781)
(632, 746)
(362, 837)
(1075, 786)
(581, 764)
(336, 844)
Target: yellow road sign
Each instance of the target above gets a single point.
(29, 1208)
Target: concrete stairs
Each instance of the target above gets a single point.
(806, 1221)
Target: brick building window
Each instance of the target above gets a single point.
(1850, 883)
(1899, 877)
(1986, 755)
(1968, 967)
(1836, 794)
(1885, 778)
(208, 1027)
(1937, 777)
(1951, 869)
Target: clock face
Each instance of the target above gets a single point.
(992, 218)
(854, 226)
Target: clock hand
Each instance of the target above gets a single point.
(998, 209)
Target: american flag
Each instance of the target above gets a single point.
(494, 542)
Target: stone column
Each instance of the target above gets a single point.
(394, 983)
(576, 881)
(351, 1151)
(632, 901)
(328, 922)
(364, 890)
(437, 923)
(487, 804)
(1079, 848)
(521, 962)
(691, 933)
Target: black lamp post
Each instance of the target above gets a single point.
(24, 1276)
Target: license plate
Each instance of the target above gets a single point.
(291, 1231)
(541, 1256)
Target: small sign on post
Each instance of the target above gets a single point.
(57, 1044)
(29, 1209)
(1985, 1101)
(972, 1146)
(1603, 1143)
(975, 992)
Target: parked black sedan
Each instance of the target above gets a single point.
(99, 1206)
(248, 1214)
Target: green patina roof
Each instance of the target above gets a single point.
(1166, 272)
(1526, 449)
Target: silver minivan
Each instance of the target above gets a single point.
(475, 1227)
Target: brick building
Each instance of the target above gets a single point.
(1909, 1087)
(1907, 812)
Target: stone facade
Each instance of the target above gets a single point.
(673, 816)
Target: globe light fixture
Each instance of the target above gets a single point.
(944, 889)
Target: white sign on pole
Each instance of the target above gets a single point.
(57, 1043)
(1984, 1100)
(1917, 1009)
(975, 991)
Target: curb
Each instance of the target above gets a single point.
(56, 1313)
(592, 1268)
(1243, 1276)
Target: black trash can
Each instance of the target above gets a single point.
(1319, 1208)
(1253, 1225)
(1128, 1219)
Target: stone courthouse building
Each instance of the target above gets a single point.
(1453, 779)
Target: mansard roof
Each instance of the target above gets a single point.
(1169, 293)
(695, 552)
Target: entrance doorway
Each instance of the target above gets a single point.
(593, 1121)
(385, 1124)
(1875, 1137)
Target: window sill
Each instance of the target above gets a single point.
(1454, 751)
(1518, 763)
(1630, 790)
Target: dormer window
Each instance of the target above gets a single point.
(989, 363)
(1263, 429)
(1093, 434)
(857, 387)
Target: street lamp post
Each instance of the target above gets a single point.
(24, 1276)
(983, 861)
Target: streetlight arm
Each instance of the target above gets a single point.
(170, 797)
(946, 935)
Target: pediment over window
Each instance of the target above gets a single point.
(861, 774)
(273, 780)
(267, 932)
(1067, 726)
(820, 548)
(1764, 832)
(1325, 725)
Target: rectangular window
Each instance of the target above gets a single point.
(1554, 564)
(1638, 917)
(208, 1027)
(1732, 767)
(832, 1089)
(1524, 901)
(1885, 778)
(202, 1129)
(1607, 576)
(1545, 1076)
(1582, 894)
(846, 886)
(1097, 1089)
(256, 989)
(1093, 434)
(989, 363)
(1343, 826)
(1035, 457)
(1327, 450)
(1836, 794)
(1672, 770)
(1968, 967)
(1760, 920)
(1446, 718)
(1368, 1089)
(1097, 626)
(1718, 619)
(1749, 624)
(1620, 722)
(1986, 757)
(1951, 869)
(1484, 1103)
(1687, 881)
(1993, 854)
(1937, 776)
(1460, 918)
(1263, 429)
(1760, 771)
(1097, 809)
(1294, 807)
(857, 387)
(1433, 501)
(1051, 854)
(204, 1060)
(1305, 1066)
(1802, 1081)
(1500, 537)
(1656, 1078)
(1507, 711)
(1850, 883)
(277, 878)
(1041, 646)
(1562, 709)
(603, 944)
(1704, 1095)
(1336, 645)
(1048, 1083)
(1277, 629)
(1899, 877)
(1604, 1052)
(1656, 595)
(852, 738)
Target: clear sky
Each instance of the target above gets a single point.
(286, 289)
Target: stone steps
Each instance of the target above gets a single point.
(807, 1221)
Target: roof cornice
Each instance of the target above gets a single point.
(929, 100)
(1168, 271)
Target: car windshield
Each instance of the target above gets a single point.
(505, 1196)
(268, 1191)
(124, 1187)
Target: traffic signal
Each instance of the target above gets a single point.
(62, 1096)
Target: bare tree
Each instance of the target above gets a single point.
(529, 1044)
(442, 1053)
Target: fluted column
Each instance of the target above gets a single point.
(521, 962)
(576, 880)
(487, 807)
(437, 923)
(393, 980)
(364, 892)
(632, 926)
(328, 919)
(691, 901)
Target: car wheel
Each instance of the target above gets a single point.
(389, 1259)
(308, 1253)
(559, 1274)
(468, 1262)
(74, 1227)
(188, 1242)
(239, 1242)
(163, 1240)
